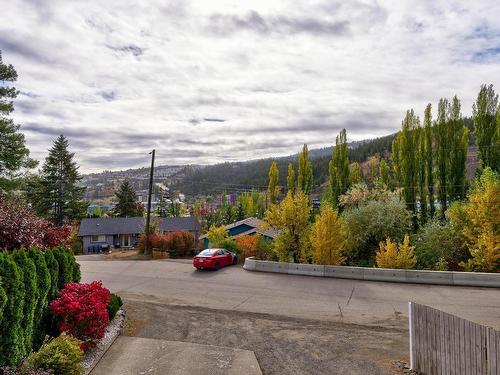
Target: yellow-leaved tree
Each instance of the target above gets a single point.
(478, 220)
(291, 219)
(328, 237)
(217, 235)
(394, 255)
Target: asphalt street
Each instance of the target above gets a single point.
(176, 282)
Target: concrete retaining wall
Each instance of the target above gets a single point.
(377, 274)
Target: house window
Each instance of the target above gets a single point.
(98, 238)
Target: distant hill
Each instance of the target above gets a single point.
(195, 180)
(244, 176)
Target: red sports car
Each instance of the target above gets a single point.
(214, 259)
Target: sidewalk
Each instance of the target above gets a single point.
(136, 355)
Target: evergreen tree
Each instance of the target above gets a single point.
(440, 140)
(11, 336)
(30, 299)
(127, 205)
(458, 138)
(339, 167)
(305, 173)
(53, 268)
(428, 158)
(273, 189)
(290, 179)
(58, 195)
(486, 127)
(43, 286)
(14, 156)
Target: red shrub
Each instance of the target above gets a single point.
(81, 310)
(178, 243)
(19, 226)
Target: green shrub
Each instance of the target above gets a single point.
(76, 274)
(61, 355)
(3, 300)
(371, 223)
(11, 339)
(30, 297)
(439, 246)
(230, 245)
(114, 305)
(65, 267)
(53, 267)
(43, 281)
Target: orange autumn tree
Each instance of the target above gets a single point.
(249, 244)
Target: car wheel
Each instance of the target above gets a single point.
(216, 267)
(198, 268)
(235, 260)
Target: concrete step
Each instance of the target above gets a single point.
(137, 355)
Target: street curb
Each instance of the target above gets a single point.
(114, 330)
(452, 278)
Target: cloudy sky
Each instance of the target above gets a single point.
(208, 81)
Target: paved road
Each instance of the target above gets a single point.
(232, 288)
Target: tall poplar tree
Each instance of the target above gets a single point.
(355, 174)
(272, 188)
(486, 132)
(57, 194)
(305, 173)
(385, 173)
(428, 158)
(290, 179)
(338, 167)
(406, 155)
(440, 140)
(458, 139)
(422, 173)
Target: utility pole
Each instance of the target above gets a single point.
(148, 213)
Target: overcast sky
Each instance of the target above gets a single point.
(208, 81)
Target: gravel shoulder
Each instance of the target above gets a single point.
(282, 345)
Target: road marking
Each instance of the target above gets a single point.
(352, 291)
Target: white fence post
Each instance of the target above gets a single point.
(410, 319)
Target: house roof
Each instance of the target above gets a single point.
(258, 226)
(130, 225)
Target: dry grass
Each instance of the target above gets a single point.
(132, 254)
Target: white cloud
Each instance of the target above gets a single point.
(122, 77)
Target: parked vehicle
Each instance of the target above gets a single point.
(214, 259)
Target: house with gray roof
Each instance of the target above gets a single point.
(98, 234)
(247, 227)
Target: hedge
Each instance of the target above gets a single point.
(11, 340)
(29, 280)
(43, 284)
(53, 267)
(30, 298)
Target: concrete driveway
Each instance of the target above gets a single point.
(176, 282)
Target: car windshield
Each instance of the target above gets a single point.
(205, 253)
